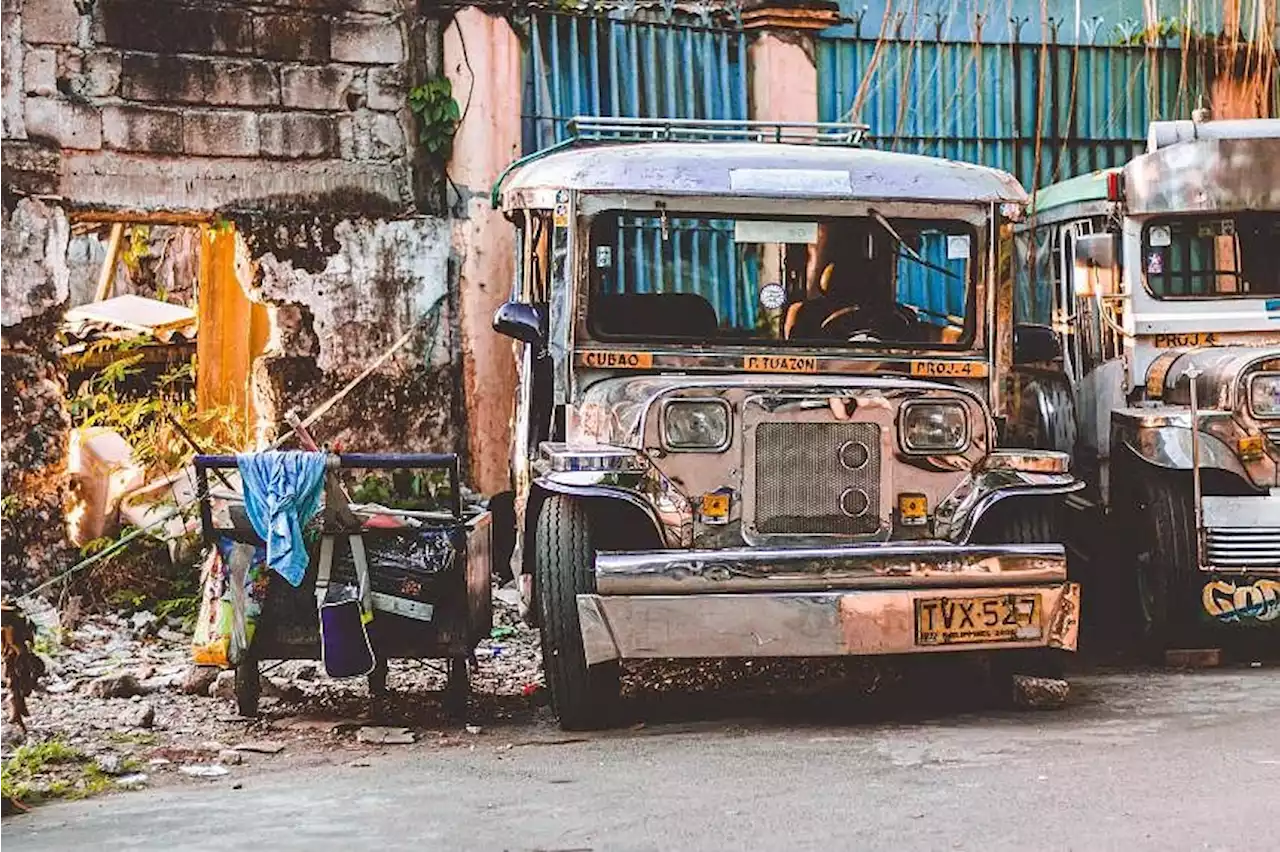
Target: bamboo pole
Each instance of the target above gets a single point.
(108, 274)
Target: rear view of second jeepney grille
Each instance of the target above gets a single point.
(817, 478)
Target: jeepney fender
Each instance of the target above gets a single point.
(526, 516)
(1167, 443)
(959, 514)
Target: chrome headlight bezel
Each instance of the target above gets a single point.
(673, 409)
(1273, 413)
(914, 407)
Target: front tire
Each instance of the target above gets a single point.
(581, 695)
(1161, 520)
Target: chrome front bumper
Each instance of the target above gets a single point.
(852, 600)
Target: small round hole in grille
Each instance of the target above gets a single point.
(853, 455)
(854, 502)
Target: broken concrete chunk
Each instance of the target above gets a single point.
(261, 746)
(204, 770)
(374, 735)
(132, 781)
(230, 757)
(141, 716)
(110, 764)
(224, 685)
(1039, 693)
(198, 679)
(115, 686)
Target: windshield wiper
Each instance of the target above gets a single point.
(902, 244)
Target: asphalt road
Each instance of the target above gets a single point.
(1139, 760)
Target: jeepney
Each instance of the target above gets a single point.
(1162, 282)
(759, 406)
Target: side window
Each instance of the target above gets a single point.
(536, 274)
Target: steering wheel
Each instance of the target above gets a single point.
(876, 324)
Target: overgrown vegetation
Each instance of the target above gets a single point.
(151, 407)
(142, 576)
(52, 770)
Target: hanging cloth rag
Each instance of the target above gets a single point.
(281, 493)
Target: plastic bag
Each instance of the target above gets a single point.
(233, 587)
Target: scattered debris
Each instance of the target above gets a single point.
(1039, 693)
(474, 730)
(376, 735)
(204, 770)
(132, 781)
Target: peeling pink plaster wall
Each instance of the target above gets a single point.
(487, 84)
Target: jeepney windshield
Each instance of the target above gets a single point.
(817, 281)
(1212, 256)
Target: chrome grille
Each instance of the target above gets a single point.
(1243, 547)
(817, 478)
(1273, 434)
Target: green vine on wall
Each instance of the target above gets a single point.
(438, 115)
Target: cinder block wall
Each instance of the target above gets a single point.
(272, 80)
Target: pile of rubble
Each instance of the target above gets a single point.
(121, 694)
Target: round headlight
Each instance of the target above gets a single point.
(934, 427)
(1264, 395)
(696, 424)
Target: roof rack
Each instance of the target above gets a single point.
(614, 129)
(594, 128)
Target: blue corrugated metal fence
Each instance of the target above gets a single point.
(1044, 112)
(676, 67)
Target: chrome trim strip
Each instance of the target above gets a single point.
(886, 565)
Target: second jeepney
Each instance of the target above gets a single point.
(1161, 280)
(760, 406)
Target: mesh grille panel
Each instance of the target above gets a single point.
(804, 487)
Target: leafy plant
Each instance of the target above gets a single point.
(152, 412)
(420, 490)
(137, 250)
(438, 115)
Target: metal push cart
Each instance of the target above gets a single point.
(453, 608)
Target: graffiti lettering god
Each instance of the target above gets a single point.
(1228, 602)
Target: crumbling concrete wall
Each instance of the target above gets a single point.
(33, 415)
(343, 292)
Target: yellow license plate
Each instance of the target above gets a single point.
(964, 621)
